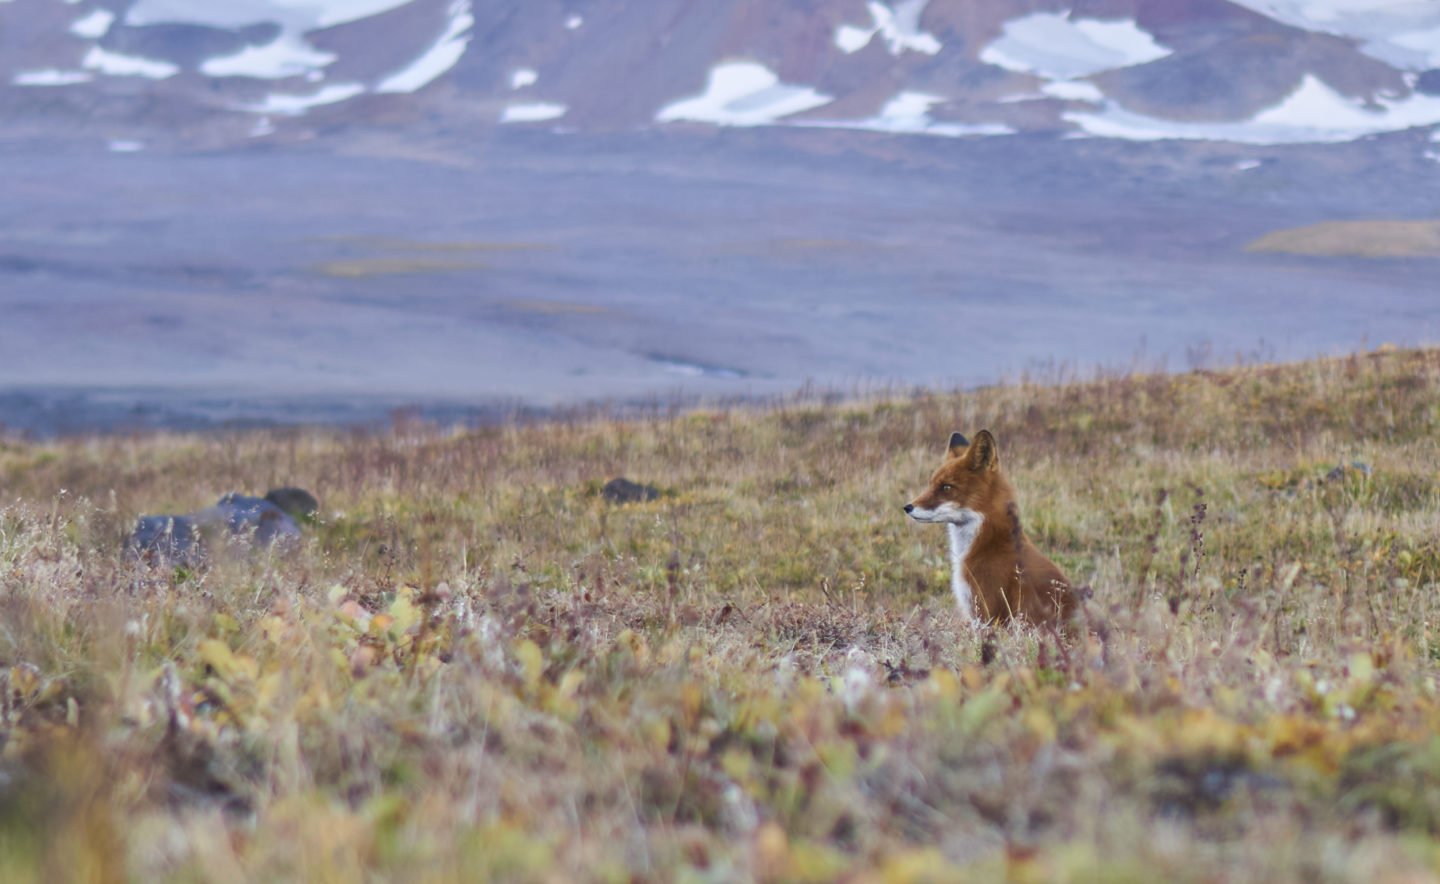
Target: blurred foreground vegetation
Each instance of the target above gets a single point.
(478, 668)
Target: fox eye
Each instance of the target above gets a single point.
(947, 487)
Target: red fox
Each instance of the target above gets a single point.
(995, 571)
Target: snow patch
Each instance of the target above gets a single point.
(743, 93)
(51, 77)
(94, 25)
(285, 56)
(1313, 113)
(909, 114)
(294, 105)
(289, 54)
(850, 39)
(694, 369)
(1247, 165)
(116, 65)
(1416, 50)
(439, 58)
(898, 25)
(1073, 90)
(123, 145)
(574, 22)
(522, 77)
(1403, 33)
(533, 112)
(1055, 46)
(294, 15)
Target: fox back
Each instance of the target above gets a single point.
(996, 572)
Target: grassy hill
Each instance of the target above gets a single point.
(1360, 239)
(478, 668)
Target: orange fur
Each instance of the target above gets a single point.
(1007, 576)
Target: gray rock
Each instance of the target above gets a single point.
(235, 519)
(1342, 470)
(626, 491)
(165, 538)
(299, 503)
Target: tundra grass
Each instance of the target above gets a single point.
(1362, 239)
(362, 268)
(477, 668)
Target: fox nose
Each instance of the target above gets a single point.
(909, 507)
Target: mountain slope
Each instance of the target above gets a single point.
(1257, 71)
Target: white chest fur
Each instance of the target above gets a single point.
(962, 537)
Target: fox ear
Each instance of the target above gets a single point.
(958, 444)
(984, 454)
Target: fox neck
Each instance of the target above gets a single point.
(962, 538)
(986, 533)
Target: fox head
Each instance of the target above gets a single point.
(967, 480)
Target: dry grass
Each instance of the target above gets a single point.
(411, 257)
(479, 669)
(364, 268)
(400, 244)
(1359, 239)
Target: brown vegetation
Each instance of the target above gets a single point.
(479, 668)
(1361, 239)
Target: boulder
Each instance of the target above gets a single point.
(234, 520)
(622, 490)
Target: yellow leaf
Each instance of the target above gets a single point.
(273, 629)
(1040, 723)
(532, 662)
(891, 723)
(1201, 730)
(919, 864)
(657, 733)
(225, 662)
(267, 690)
(691, 696)
(942, 683)
(403, 609)
(839, 757)
(974, 677)
(814, 862)
(571, 683)
(562, 700)
(980, 708)
(1362, 668)
(737, 764)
